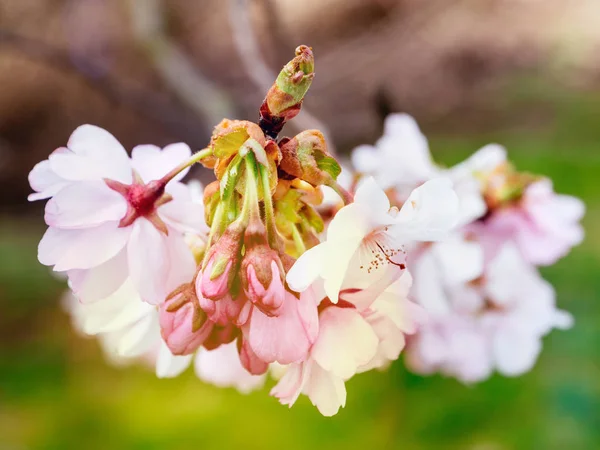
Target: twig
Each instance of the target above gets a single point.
(210, 102)
(142, 101)
(248, 50)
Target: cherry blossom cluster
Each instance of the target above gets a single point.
(488, 307)
(286, 266)
(256, 273)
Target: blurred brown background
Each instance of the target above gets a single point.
(68, 62)
(523, 73)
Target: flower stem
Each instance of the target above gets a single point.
(196, 157)
(268, 200)
(346, 196)
(250, 207)
(298, 242)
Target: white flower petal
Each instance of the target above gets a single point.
(307, 268)
(152, 164)
(326, 391)
(104, 149)
(516, 352)
(222, 367)
(346, 341)
(85, 204)
(91, 247)
(169, 365)
(99, 282)
(429, 213)
(149, 262)
(141, 337)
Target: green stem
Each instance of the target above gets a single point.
(250, 206)
(298, 242)
(214, 229)
(196, 157)
(346, 196)
(268, 200)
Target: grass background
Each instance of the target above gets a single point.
(56, 392)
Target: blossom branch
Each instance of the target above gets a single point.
(256, 68)
(202, 95)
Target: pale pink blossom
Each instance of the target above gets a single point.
(286, 337)
(222, 367)
(543, 224)
(369, 234)
(481, 317)
(110, 218)
(364, 330)
(524, 310)
(401, 160)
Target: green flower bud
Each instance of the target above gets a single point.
(284, 99)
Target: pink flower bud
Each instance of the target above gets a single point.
(183, 325)
(221, 335)
(249, 360)
(222, 263)
(262, 278)
(223, 311)
(262, 271)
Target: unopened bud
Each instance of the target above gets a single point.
(249, 360)
(223, 311)
(222, 263)
(183, 325)
(305, 156)
(221, 335)
(262, 273)
(284, 99)
(227, 139)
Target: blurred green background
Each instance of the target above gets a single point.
(57, 392)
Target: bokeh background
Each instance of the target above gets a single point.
(523, 73)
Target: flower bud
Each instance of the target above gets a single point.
(221, 335)
(284, 99)
(222, 263)
(305, 156)
(227, 138)
(249, 360)
(262, 272)
(223, 311)
(183, 325)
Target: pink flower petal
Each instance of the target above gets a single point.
(325, 390)
(149, 263)
(152, 164)
(222, 367)
(346, 341)
(99, 282)
(285, 338)
(84, 205)
(84, 249)
(101, 147)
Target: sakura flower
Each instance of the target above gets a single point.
(453, 344)
(222, 368)
(523, 312)
(481, 318)
(286, 337)
(369, 234)
(128, 330)
(401, 161)
(111, 217)
(355, 335)
(544, 225)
